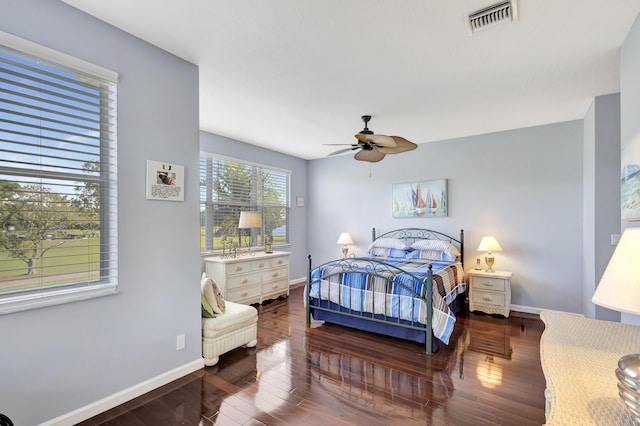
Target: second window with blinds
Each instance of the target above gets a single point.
(242, 204)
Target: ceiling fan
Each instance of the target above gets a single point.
(372, 147)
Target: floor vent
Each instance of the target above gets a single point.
(490, 16)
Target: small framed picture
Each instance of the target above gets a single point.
(299, 201)
(165, 181)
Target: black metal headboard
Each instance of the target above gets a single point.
(414, 234)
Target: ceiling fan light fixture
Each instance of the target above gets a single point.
(372, 155)
(372, 147)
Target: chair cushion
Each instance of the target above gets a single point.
(236, 316)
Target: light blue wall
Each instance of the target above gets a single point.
(523, 186)
(601, 195)
(55, 360)
(221, 145)
(630, 84)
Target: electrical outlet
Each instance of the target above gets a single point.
(180, 342)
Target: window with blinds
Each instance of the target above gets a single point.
(58, 193)
(229, 187)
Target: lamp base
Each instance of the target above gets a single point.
(345, 251)
(489, 261)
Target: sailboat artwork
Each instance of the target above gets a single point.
(630, 179)
(420, 199)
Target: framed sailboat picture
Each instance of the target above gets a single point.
(630, 179)
(425, 198)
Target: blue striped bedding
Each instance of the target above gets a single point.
(358, 285)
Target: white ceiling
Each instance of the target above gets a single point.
(292, 75)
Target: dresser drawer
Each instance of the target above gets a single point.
(488, 283)
(279, 261)
(260, 265)
(241, 280)
(240, 294)
(489, 298)
(280, 286)
(238, 268)
(274, 274)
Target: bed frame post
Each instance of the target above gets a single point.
(429, 330)
(306, 293)
(373, 234)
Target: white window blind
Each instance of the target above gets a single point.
(58, 180)
(228, 187)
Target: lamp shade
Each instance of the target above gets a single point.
(345, 238)
(619, 288)
(249, 220)
(489, 244)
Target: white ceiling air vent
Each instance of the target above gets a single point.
(490, 16)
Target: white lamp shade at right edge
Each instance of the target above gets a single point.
(619, 288)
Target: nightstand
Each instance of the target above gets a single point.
(490, 292)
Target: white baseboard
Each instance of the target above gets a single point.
(526, 309)
(297, 282)
(125, 395)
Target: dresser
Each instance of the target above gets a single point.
(490, 292)
(252, 278)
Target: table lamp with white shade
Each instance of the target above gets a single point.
(345, 239)
(619, 289)
(249, 220)
(489, 244)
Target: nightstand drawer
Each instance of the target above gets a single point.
(494, 284)
(489, 298)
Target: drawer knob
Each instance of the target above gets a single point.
(238, 268)
(244, 293)
(487, 284)
(487, 298)
(244, 281)
(275, 275)
(275, 286)
(261, 265)
(280, 262)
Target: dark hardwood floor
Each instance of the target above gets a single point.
(490, 374)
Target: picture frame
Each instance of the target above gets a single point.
(630, 179)
(165, 181)
(425, 198)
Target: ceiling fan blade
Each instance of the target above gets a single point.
(379, 140)
(340, 144)
(343, 150)
(372, 156)
(402, 145)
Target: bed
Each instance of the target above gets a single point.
(409, 285)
